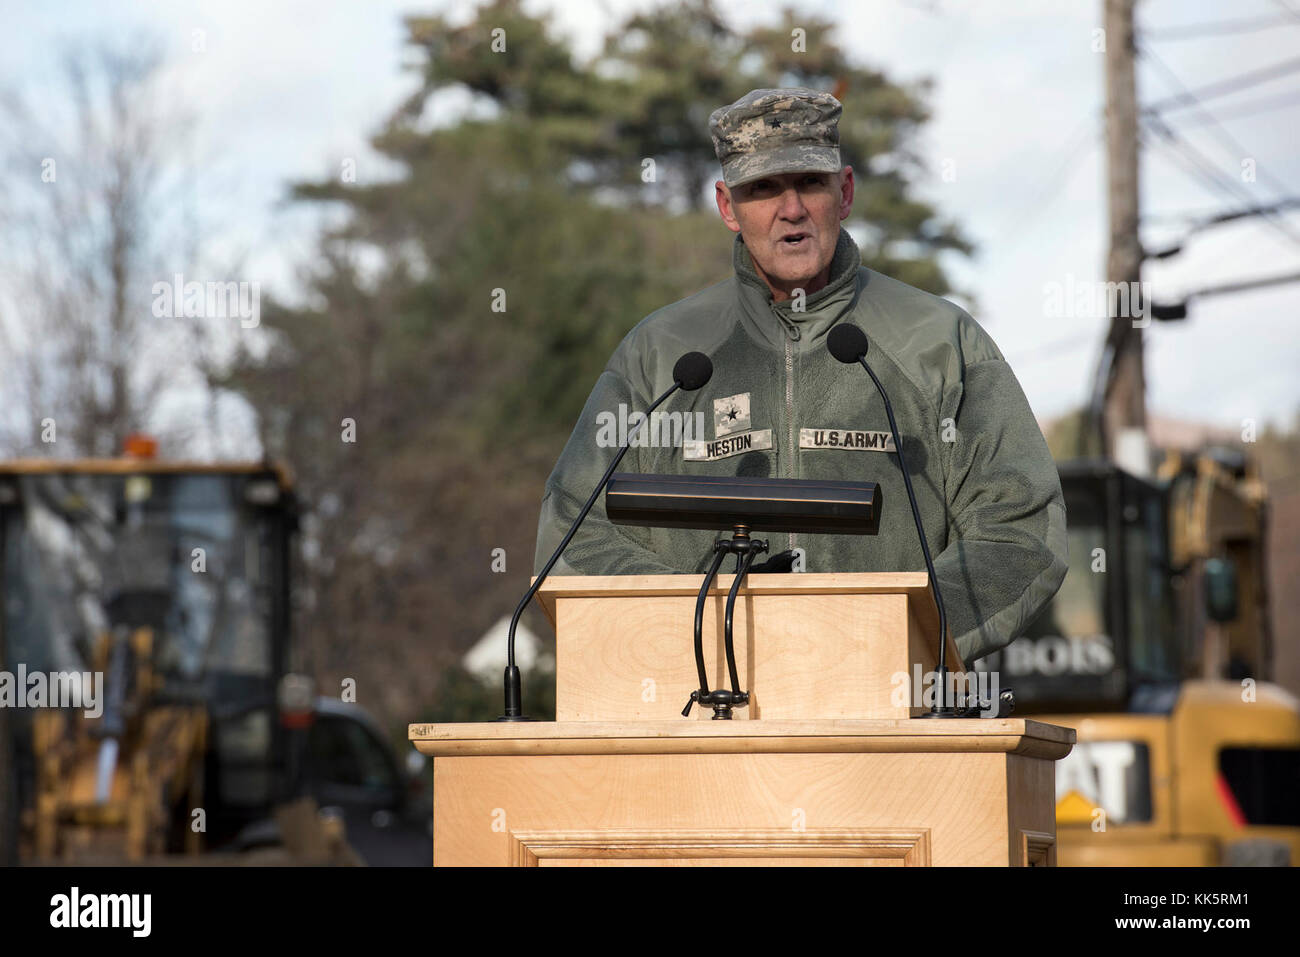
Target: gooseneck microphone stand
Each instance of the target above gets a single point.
(848, 344)
(691, 372)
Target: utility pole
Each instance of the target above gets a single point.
(1119, 397)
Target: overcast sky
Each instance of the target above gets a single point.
(285, 90)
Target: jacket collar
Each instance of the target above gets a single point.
(777, 322)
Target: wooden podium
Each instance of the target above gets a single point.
(825, 765)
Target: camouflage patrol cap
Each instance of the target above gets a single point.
(767, 132)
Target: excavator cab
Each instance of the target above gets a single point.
(164, 590)
(1108, 640)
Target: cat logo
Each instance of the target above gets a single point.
(1111, 775)
(1074, 808)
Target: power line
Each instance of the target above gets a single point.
(1261, 282)
(1252, 108)
(1288, 10)
(1232, 215)
(1201, 109)
(1223, 87)
(1215, 178)
(1223, 135)
(1191, 160)
(1178, 310)
(1196, 165)
(1220, 27)
(1208, 176)
(1188, 216)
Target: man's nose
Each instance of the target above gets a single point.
(792, 207)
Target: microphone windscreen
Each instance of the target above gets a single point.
(847, 342)
(693, 371)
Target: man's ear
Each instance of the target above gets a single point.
(723, 197)
(846, 192)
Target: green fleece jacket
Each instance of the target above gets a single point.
(780, 405)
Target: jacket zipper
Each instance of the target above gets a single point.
(792, 336)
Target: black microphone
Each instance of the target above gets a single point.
(692, 371)
(848, 343)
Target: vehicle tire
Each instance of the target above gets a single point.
(1257, 852)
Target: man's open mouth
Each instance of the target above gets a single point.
(795, 240)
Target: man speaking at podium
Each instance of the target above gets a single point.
(780, 405)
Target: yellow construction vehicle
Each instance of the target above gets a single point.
(105, 785)
(1157, 650)
(1212, 782)
(144, 649)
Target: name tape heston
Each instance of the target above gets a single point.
(846, 439)
(700, 451)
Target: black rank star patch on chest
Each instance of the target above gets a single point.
(731, 415)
